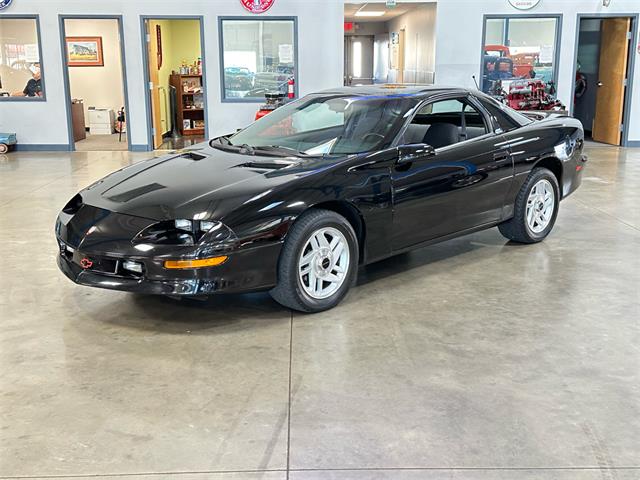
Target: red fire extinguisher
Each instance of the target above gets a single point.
(291, 92)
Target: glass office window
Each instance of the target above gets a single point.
(20, 68)
(519, 48)
(494, 31)
(258, 57)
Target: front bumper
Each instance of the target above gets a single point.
(247, 270)
(95, 248)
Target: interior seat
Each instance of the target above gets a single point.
(473, 132)
(441, 134)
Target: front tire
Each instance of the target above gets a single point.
(318, 263)
(536, 208)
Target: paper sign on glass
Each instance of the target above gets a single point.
(285, 53)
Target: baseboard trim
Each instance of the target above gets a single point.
(41, 147)
(633, 143)
(139, 148)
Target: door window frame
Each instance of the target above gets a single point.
(43, 98)
(470, 99)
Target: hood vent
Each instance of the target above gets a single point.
(73, 205)
(135, 193)
(193, 156)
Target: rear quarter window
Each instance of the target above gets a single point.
(506, 118)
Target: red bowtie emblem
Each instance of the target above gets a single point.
(257, 6)
(86, 263)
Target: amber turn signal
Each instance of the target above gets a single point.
(205, 262)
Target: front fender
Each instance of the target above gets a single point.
(366, 191)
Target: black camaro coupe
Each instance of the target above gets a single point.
(295, 202)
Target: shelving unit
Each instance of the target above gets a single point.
(190, 103)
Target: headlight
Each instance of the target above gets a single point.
(182, 232)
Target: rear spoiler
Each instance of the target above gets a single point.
(543, 114)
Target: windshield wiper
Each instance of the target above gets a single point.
(247, 149)
(221, 142)
(229, 147)
(269, 150)
(281, 149)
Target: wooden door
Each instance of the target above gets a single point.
(154, 78)
(614, 53)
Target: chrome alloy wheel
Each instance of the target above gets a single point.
(540, 206)
(324, 263)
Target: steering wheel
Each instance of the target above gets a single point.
(372, 134)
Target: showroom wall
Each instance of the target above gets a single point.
(459, 39)
(100, 87)
(320, 47)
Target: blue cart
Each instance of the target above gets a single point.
(7, 142)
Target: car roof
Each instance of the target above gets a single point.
(391, 90)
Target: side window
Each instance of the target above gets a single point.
(474, 122)
(443, 106)
(447, 106)
(444, 123)
(503, 120)
(20, 69)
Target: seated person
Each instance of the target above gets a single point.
(34, 85)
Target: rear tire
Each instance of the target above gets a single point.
(318, 263)
(536, 208)
(4, 148)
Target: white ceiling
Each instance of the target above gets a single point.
(401, 8)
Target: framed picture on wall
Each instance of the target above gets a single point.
(84, 52)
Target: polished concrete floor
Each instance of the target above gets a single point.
(103, 143)
(471, 360)
(172, 143)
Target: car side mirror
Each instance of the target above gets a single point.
(416, 151)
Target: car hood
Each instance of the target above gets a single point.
(203, 183)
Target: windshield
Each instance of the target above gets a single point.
(336, 124)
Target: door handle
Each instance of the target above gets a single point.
(501, 156)
(600, 84)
